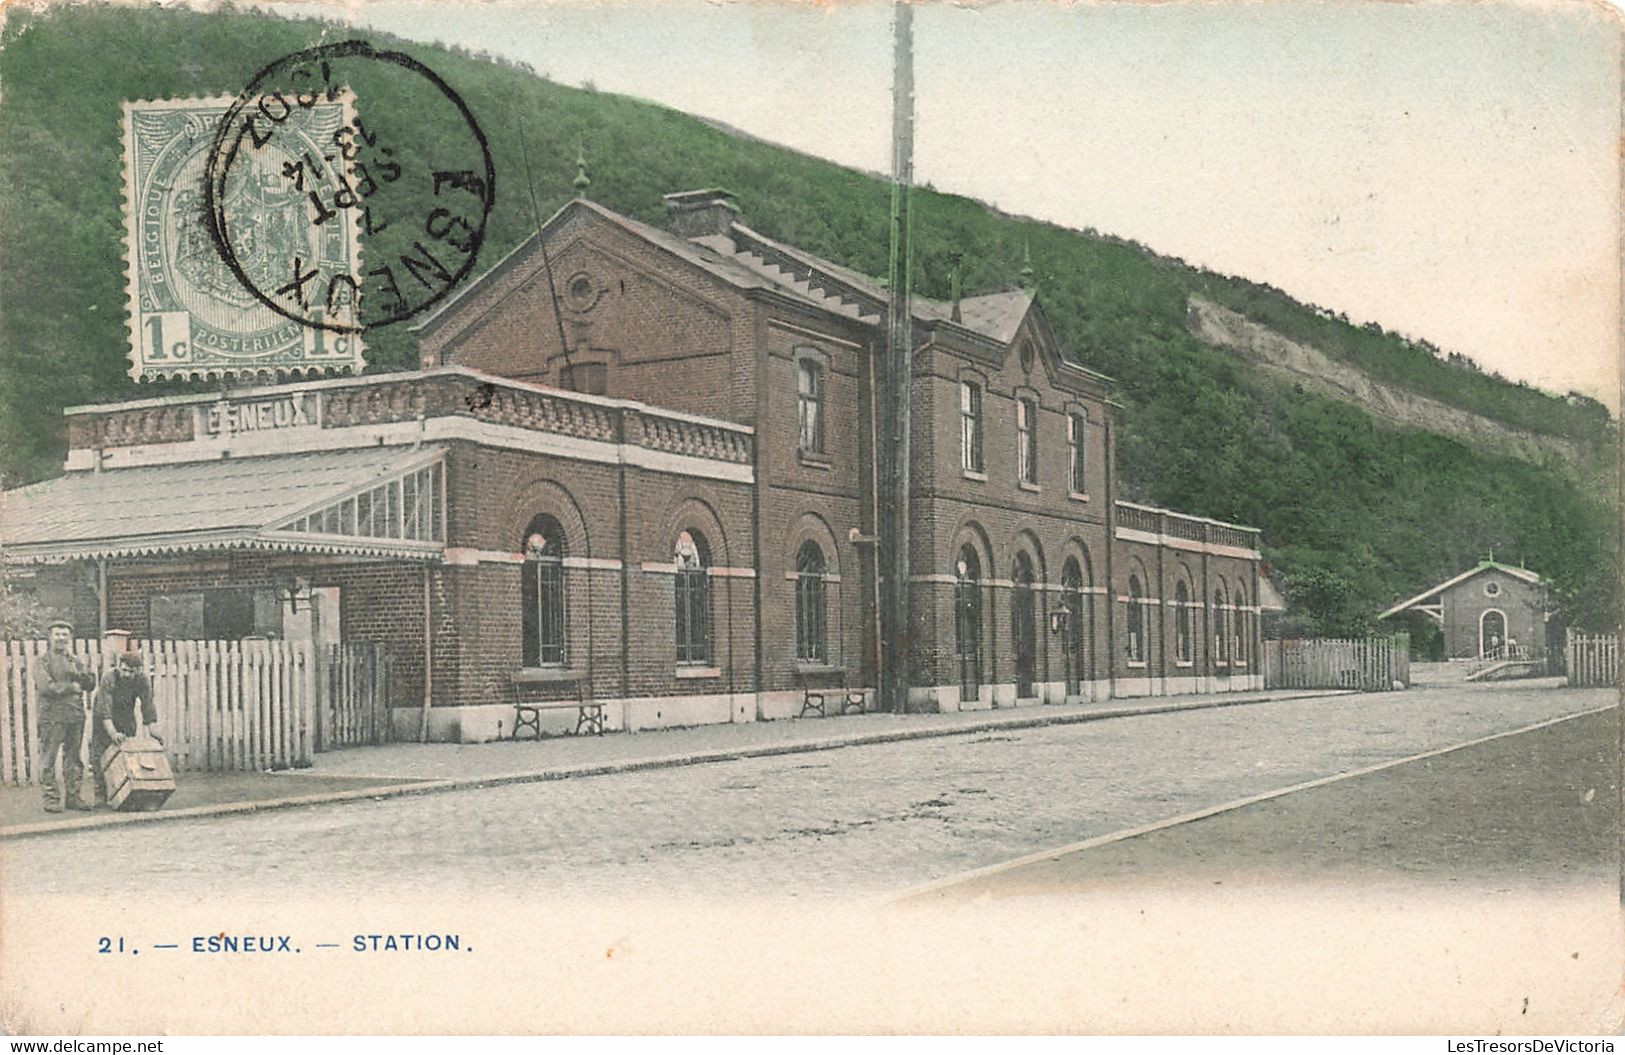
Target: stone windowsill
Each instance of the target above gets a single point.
(804, 667)
(1025, 486)
(972, 474)
(815, 459)
(685, 672)
(1078, 496)
(1137, 664)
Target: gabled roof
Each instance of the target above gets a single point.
(997, 315)
(749, 260)
(228, 503)
(1484, 565)
(692, 251)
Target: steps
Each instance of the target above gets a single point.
(1504, 669)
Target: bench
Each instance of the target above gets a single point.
(818, 688)
(527, 713)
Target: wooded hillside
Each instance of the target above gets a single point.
(1355, 514)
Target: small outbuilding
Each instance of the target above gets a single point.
(1491, 610)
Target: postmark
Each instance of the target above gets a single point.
(189, 313)
(410, 170)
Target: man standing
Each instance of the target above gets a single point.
(59, 678)
(121, 689)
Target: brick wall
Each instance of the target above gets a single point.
(1464, 606)
(380, 601)
(668, 334)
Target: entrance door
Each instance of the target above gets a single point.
(1492, 632)
(968, 624)
(1024, 627)
(315, 619)
(1073, 629)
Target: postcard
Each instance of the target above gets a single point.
(563, 517)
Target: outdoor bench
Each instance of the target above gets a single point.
(527, 711)
(819, 687)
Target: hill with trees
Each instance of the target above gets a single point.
(1356, 512)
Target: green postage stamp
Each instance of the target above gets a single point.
(190, 314)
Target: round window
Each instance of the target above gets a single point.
(581, 292)
(1492, 589)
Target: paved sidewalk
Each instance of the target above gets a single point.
(405, 769)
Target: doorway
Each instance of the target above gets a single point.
(1492, 632)
(1024, 627)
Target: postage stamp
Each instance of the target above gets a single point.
(411, 170)
(190, 313)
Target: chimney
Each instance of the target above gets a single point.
(698, 213)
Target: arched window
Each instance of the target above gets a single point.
(1073, 630)
(1136, 620)
(1221, 637)
(811, 643)
(693, 560)
(546, 633)
(1184, 631)
(968, 622)
(1239, 636)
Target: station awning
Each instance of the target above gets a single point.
(374, 502)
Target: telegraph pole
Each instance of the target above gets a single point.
(894, 534)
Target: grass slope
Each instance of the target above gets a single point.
(1355, 515)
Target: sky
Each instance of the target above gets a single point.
(1447, 170)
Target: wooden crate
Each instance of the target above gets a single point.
(138, 775)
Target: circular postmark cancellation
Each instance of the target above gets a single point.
(404, 167)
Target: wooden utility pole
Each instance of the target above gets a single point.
(894, 533)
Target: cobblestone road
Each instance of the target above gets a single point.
(856, 821)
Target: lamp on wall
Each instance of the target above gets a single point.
(292, 589)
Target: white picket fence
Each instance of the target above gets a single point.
(222, 705)
(1374, 664)
(1593, 660)
(354, 707)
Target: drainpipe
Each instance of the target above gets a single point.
(428, 660)
(101, 597)
(1111, 547)
(874, 525)
(1162, 602)
(625, 584)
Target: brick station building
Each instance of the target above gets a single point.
(636, 466)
